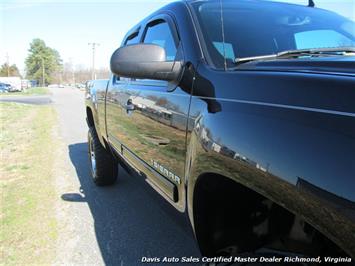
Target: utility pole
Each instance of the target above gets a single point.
(93, 45)
(43, 72)
(8, 65)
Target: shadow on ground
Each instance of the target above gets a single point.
(131, 219)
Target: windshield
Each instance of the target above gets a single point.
(255, 28)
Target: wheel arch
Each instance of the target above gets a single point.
(224, 210)
(90, 117)
(92, 122)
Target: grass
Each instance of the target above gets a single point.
(29, 92)
(28, 225)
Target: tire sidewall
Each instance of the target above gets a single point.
(105, 171)
(91, 144)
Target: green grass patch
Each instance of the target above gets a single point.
(28, 224)
(28, 92)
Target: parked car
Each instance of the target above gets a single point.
(4, 88)
(53, 86)
(240, 114)
(9, 87)
(13, 83)
(80, 85)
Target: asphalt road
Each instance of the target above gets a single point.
(115, 225)
(45, 99)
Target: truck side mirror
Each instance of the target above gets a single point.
(144, 61)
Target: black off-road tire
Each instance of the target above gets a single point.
(104, 168)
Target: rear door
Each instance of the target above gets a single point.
(116, 101)
(152, 124)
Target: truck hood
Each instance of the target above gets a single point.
(337, 65)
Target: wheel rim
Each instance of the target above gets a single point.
(92, 158)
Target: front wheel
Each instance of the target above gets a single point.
(104, 168)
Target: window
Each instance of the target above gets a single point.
(321, 38)
(161, 35)
(256, 28)
(132, 39)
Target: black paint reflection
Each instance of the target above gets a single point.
(268, 148)
(202, 88)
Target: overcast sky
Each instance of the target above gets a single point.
(68, 26)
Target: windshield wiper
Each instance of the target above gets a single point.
(297, 53)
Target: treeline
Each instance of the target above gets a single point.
(7, 70)
(44, 65)
(71, 74)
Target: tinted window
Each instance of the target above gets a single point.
(132, 39)
(161, 35)
(254, 28)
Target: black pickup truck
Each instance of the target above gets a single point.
(241, 114)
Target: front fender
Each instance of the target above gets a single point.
(300, 158)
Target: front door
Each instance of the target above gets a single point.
(151, 120)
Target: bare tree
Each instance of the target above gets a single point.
(73, 74)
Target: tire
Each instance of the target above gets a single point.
(104, 168)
